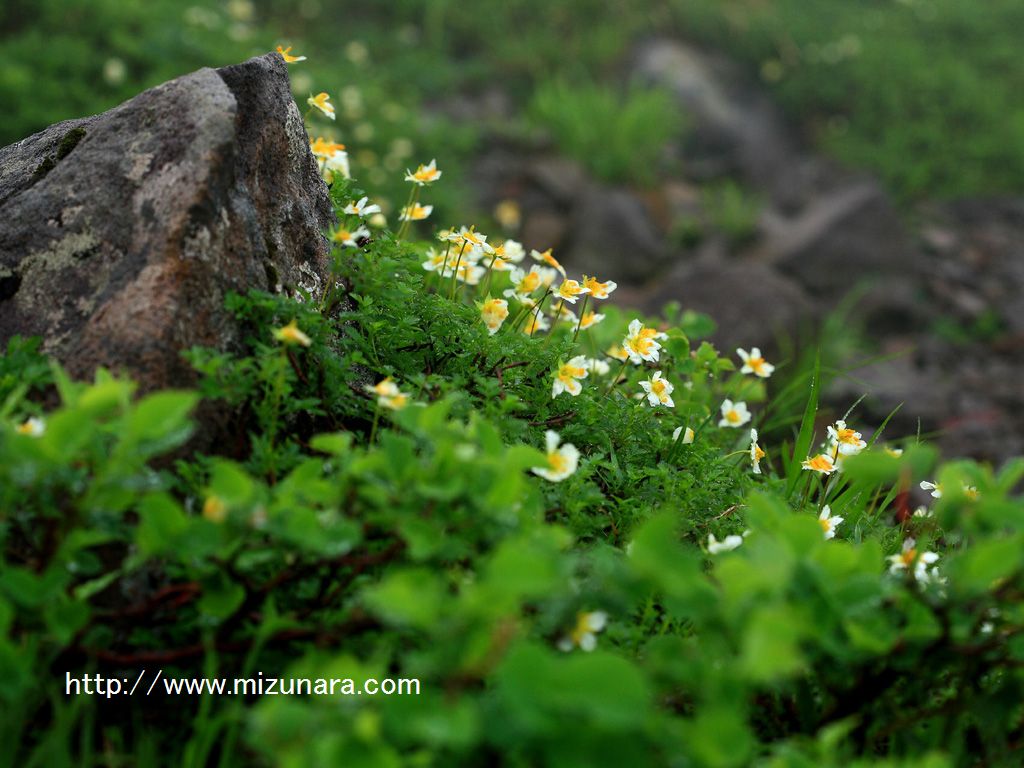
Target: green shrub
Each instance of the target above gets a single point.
(378, 514)
(619, 137)
(923, 93)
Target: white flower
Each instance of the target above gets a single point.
(933, 487)
(570, 290)
(548, 259)
(350, 239)
(567, 377)
(909, 558)
(726, 545)
(734, 414)
(756, 454)
(562, 461)
(849, 442)
(523, 283)
(322, 102)
(388, 394)
(821, 463)
(584, 634)
(469, 273)
(474, 240)
(436, 262)
(597, 366)
(360, 208)
(415, 212)
(513, 250)
(33, 427)
(687, 436)
(336, 163)
(598, 289)
(828, 522)
(493, 312)
(923, 511)
(754, 363)
(424, 174)
(641, 343)
(659, 391)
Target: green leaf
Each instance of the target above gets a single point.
(806, 432)
(411, 597)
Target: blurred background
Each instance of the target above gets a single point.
(846, 173)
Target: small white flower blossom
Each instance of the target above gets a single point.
(848, 441)
(728, 544)
(568, 375)
(822, 463)
(688, 435)
(828, 522)
(659, 391)
(734, 414)
(350, 239)
(561, 461)
(584, 634)
(909, 559)
(935, 489)
(33, 427)
(361, 208)
(754, 363)
(756, 453)
(641, 344)
(494, 312)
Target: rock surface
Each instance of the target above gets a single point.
(120, 234)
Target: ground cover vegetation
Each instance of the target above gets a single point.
(592, 536)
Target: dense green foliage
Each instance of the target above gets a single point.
(924, 93)
(620, 137)
(583, 621)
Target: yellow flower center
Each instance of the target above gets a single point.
(558, 462)
(214, 510)
(758, 453)
(640, 345)
(733, 416)
(570, 288)
(569, 372)
(820, 463)
(847, 436)
(658, 387)
(756, 364)
(529, 283)
(908, 557)
(826, 526)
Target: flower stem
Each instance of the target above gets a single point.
(583, 311)
(615, 378)
(413, 196)
(490, 274)
(455, 273)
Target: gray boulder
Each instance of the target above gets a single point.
(120, 234)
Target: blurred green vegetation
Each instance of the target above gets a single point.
(620, 137)
(923, 93)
